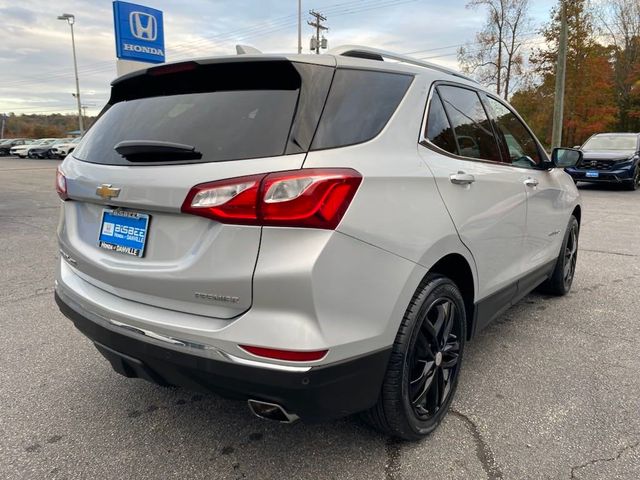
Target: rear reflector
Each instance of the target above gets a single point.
(61, 184)
(289, 355)
(312, 198)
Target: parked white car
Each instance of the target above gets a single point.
(63, 149)
(22, 151)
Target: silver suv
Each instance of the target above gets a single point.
(316, 234)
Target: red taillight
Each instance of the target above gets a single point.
(227, 201)
(61, 184)
(312, 198)
(289, 355)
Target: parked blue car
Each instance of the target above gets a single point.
(610, 158)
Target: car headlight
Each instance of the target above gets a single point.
(626, 163)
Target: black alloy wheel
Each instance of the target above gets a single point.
(434, 359)
(561, 279)
(570, 256)
(425, 362)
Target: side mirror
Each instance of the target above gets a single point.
(566, 157)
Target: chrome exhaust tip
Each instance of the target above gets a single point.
(271, 411)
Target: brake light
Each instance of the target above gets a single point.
(289, 355)
(61, 184)
(312, 198)
(172, 68)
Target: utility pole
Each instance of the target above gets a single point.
(558, 109)
(4, 119)
(299, 27)
(317, 24)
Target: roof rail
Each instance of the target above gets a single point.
(369, 53)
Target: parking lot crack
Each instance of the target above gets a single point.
(609, 253)
(483, 450)
(617, 456)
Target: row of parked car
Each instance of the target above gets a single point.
(38, 148)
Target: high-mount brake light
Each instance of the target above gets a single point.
(288, 355)
(61, 184)
(172, 68)
(311, 198)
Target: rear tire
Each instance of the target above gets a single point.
(425, 362)
(559, 283)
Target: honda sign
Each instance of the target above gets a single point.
(139, 32)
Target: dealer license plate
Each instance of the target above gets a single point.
(124, 231)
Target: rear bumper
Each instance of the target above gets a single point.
(321, 393)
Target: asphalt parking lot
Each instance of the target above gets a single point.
(551, 390)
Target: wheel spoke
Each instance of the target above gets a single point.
(448, 325)
(428, 382)
(425, 348)
(443, 313)
(441, 389)
(428, 367)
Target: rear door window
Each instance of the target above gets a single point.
(471, 126)
(360, 104)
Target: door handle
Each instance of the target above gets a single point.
(531, 182)
(462, 178)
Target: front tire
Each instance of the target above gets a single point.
(564, 271)
(635, 183)
(425, 362)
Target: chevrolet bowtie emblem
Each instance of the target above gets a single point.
(106, 191)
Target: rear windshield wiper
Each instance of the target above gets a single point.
(156, 151)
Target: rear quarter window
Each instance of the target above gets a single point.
(360, 104)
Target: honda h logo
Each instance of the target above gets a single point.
(139, 32)
(143, 26)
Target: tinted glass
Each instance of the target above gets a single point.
(612, 142)
(360, 104)
(522, 148)
(220, 125)
(439, 131)
(470, 124)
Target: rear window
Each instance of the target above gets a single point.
(220, 125)
(225, 111)
(360, 104)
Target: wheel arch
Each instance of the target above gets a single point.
(457, 268)
(577, 212)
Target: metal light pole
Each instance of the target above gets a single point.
(71, 19)
(299, 26)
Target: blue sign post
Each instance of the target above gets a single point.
(139, 32)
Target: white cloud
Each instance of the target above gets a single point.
(36, 72)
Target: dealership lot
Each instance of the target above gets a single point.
(551, 390)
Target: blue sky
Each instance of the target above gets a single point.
(36, 70)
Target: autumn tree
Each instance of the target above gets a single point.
(620, 20)
(590, 105)
(495, 58)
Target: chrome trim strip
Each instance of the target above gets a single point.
(157, 336)
(201, 346)
(271, 366)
